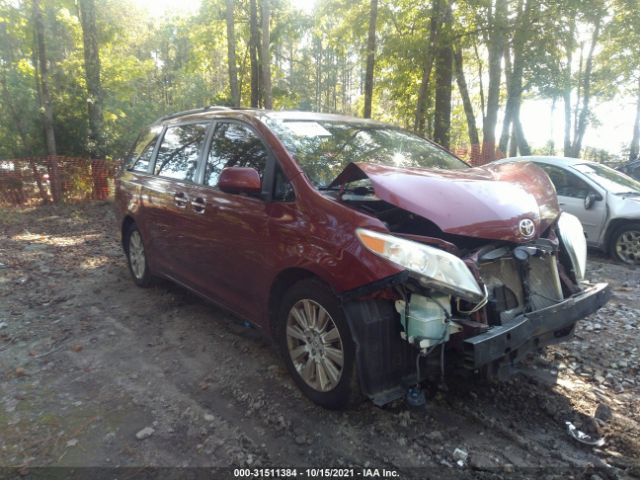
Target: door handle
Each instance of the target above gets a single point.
(180, 200)
(198, 205)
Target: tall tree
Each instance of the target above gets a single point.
(497, 18)
(231, 53)
(45, 101)
(472, 129)
(265, 60)
(581, 125)
(421, 105)
(619, 55)
(95, 145)
(569, 45)
(254, 48)
(444, 77)
(522, 32)
(371, 52)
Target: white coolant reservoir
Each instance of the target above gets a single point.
(425, 321)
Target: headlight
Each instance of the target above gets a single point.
(572, 236)
(431, 266)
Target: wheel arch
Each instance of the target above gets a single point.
(614, 224)
(127, 221)
(282, 282)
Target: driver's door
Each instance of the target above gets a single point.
(572, 191)
(232, 248)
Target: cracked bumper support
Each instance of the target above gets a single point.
(508, 342)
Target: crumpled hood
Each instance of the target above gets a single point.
(485, 202)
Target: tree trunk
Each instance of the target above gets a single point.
(371, 52)
(421, 105)
(496, 49)
(634, 148)
(566, 97)
(95, 145)
(265, 61)
(519, 139)
(231, 55)
(318, 74)
(92, 73)
(503, 144)
(514, 84)
(46, 106)
(468, 106)
(254, 48)
(444, 77)
(586, 93)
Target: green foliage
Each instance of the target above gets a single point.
(150, 67)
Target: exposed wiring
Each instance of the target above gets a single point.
(447, 315)
(478, 306)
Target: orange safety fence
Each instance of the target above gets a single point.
(46, 179)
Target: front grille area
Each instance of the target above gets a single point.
(503, 280)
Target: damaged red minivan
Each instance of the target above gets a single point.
(374, 258)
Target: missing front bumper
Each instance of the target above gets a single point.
(508, 342)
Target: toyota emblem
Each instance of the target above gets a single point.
(527, 227)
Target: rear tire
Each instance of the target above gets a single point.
(316, 343)
(624, 244)
(137, 257)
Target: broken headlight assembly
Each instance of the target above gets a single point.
(573, 239)
(432, 267)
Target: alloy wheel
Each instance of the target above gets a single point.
(136, 255)
(315, 345)
(628, 247)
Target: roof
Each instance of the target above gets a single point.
(232, 112)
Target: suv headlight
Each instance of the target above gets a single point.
(573, 239)
(431, 266)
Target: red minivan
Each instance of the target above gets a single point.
(374, 258)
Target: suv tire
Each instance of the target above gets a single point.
(137, 257)
(315, 341)
(624, 244)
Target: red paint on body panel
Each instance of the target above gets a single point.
(483, 202)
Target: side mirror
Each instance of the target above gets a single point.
(240, 180)
(590, 199)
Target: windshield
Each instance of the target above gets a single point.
(609, 179)
(324, 148)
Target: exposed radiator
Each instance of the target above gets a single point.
(502, 278)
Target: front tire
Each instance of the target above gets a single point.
(316, 344)
(625, 243)
(137, 257)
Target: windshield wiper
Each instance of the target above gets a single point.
(634, 193)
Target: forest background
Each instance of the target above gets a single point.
(484, 78)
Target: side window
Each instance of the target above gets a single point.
(143, 149)
(234, 145)
(567, 184)
(179, 151)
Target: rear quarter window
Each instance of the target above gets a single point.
(143, 149)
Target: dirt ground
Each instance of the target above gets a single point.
(97, 372)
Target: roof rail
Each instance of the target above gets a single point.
(193, 111)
